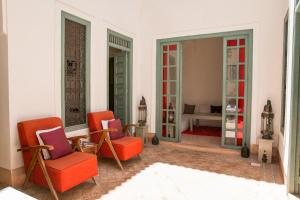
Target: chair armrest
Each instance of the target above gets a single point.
(126, 128)
(104, 131)
(36, 147)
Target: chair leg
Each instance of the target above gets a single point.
(114, 153)
(44, 170)
(100, 144)
(30, 168)
(94, 180)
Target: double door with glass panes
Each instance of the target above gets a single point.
(235, 86)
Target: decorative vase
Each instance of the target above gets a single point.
(155, 140)
(264, 157)
(171, 113)
(245, 153)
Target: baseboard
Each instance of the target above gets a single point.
(13, 177)
(5, 175)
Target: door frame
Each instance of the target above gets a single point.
(159, 42)
(129, 77)
(87, 24)
(293, 179)
(178, 89)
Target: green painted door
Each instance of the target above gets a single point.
(235, 87)
(168, 113)
(120, 86)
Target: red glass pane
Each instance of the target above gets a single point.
(165, 86)
(165, 59)
(164, 117)
(241, 105)
(172, 47)
(164, 131)
(242, 72)
(164, 104)
(239, 134)
(240, 122)
(242, 41)
(165, 73)
(242, 54)
(241, 89)
(239, 138)
(231, 43)
(165, 48)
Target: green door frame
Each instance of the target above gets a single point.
(159, 42)
(294, 137)
(87, 24)
(119, 43)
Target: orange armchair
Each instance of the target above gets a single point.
(59, 174)
(120, 149)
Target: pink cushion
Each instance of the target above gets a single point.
(117, 125)
(59, 141)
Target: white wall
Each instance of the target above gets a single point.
(202, 71)
(5, 160)
(174, 18)
(34, 55)
(34, 50)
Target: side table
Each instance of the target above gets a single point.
(86, 147)
(265, 145)
(89, 149)
(142, 131)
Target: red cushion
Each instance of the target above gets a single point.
(68, 171)
(94, 122)
(86, 164)
(117, 125)
(59, 141)
(27, 130)
(125, 147)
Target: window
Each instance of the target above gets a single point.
(75, 71)
(283, 90)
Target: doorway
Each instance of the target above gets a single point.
(119, 76)
(236, 87)
(202, 73)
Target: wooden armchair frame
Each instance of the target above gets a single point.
(37, 158)
(104, 137)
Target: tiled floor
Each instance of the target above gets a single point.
(201, 141)
(111, 176)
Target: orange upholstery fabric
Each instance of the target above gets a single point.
(126, 147)
(27, 134)
(72, 169)
(94, 122)
(65, 172)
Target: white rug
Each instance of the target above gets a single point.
(10, 193)
(170, 182)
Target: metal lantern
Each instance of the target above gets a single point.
(142, 112)
(267, 117)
